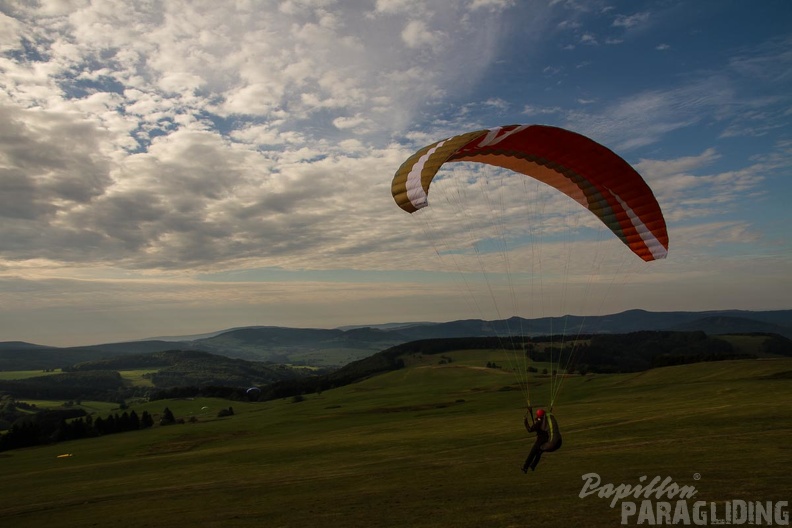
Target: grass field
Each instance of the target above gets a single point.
(24, 374)
(134, 377)
(426, 446)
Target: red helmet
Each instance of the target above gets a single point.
(540, 413)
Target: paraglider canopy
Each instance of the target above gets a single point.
(581, 168)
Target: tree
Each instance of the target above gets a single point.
(110, 425)
(146, 420)
(123, 422)
(777, 345)
(167, 417)
(24, 434)
(134, 421)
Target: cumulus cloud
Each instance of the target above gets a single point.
(416, 34)
(186, 135)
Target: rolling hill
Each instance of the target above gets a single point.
(424, 446)
(175, 368)
(336, 347)
(102, 380)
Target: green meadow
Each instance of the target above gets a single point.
(24, 374)
(430, 445)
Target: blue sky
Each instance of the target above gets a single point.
(173, 168)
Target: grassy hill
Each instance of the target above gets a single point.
(429, 445)
(136, 375)
(174, 368)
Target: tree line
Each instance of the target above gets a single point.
(87, 426)
(97, 385)
(51, 426)
(644, 350)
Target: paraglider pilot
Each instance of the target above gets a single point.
(548, 436)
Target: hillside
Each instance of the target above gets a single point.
(634, 352)
(424, 446)
(332, 348)
(33, 357)
(190, 373)
(319, 347)
(724, 324)
(102, 380)
(176, 368)
(779, 322)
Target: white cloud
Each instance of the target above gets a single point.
(497, 103)
(491, 4)
(203, 136)
(631, 21)
(688, 191)
(357, 122)
(398, 6)
(10, 33)
(416, 34)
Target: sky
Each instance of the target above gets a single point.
(176, 167)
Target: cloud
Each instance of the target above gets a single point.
(491, 4)
(10, 33)
(631, 21)
(689, 191)
(768, 61)
(646, 117)
(416, 34)
(181, 136)
(397, 6)
(589, 39)
(49, 158)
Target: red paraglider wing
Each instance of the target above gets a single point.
(581, 168)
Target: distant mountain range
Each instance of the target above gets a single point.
(340, 346)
